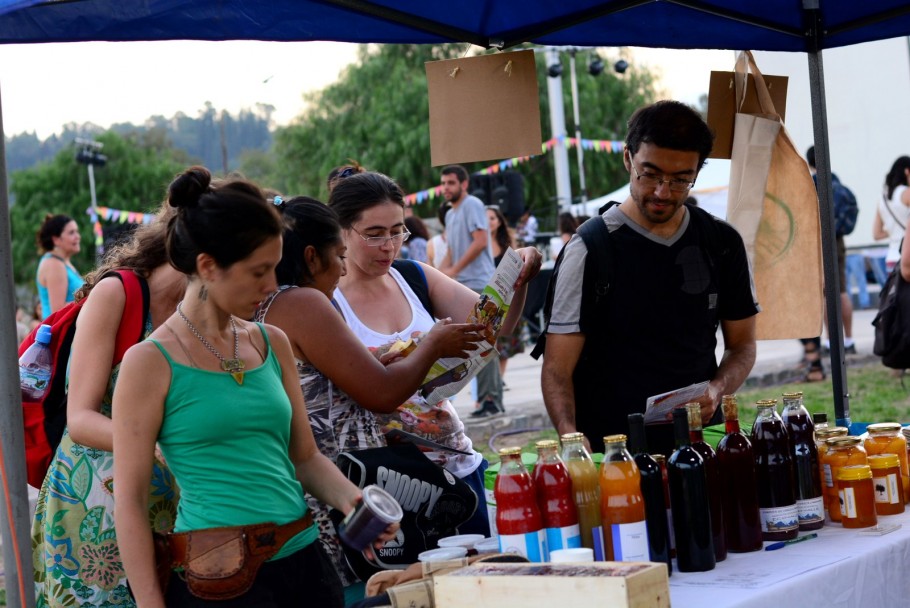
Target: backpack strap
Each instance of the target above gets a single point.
(135, 312)
(416, 278)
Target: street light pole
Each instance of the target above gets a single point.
(583, 194)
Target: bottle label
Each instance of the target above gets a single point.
(34, 380)
(829, 478)
(886, 489)
(630, 542)
(811, 510)
(600, 553)
(532, 545)
(567, 537)
(779, 519)
(847, 503)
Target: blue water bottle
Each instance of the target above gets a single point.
(35, 366)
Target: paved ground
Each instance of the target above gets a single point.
(777, 361)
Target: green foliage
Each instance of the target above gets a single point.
(139, 168)
(378, 114)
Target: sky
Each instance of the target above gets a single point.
(44, 86)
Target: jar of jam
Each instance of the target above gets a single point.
(821, 436)
(857, 503)
(887, 438)
(889, 491)
(842, 452)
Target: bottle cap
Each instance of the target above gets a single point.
(615, 439)
(731, 410)
(44, 334)
(659, 457)
(840, 442)
(793, 395)
(854, 472)
(883, 427)
(831, 431)
(545, 444)
(509, 451)
(884, 461)
(766, 403)
(693, 409)
(573, 437)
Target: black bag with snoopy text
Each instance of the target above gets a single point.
(434, 503)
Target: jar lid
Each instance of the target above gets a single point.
(544, 444)
(906, 431)
(884, 461)
(573, 437)
(840, 442)
(883, 427)
(832, 431)
(766, 403)
(615, 439)
(854, 472)
(509, 451)
(794, 395)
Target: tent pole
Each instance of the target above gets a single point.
(14, 511)
(829, 242)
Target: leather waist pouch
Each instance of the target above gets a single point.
(221, 563)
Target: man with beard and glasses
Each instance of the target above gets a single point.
(675, 275)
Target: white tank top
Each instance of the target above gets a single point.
(437, 422)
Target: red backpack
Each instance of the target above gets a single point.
(45, 419)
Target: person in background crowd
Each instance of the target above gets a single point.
(655, 331)
(470, 262)
(77, 560)
(342, 382)
(893, 211)
(527, 228)
(566, 225)
(221, 397)
(501, 238)
(381, 307)
(57, 279)
(438, 247)
(417, 242)
(343, 171)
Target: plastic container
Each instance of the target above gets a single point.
(574, 555)
(857, 501)
(487, 545)
(369, 518)
(442, 554)
(462, 540)
(36, 365)
(886, 481)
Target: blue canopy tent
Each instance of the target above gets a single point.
(774, 25)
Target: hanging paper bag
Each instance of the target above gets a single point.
(774, 206)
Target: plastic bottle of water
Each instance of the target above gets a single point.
(35, 366)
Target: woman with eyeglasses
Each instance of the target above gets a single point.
(380, 306)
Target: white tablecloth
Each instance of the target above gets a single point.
(839, 569)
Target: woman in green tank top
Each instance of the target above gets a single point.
(220, 395)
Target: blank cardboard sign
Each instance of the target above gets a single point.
(722, 106)
(483, 108)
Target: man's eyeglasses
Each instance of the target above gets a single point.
(649, 180)
(379, 241)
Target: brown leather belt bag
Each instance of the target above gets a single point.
(221, 563)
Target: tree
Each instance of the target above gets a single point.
(139, 168)
(378, 114)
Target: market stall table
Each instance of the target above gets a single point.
(841, 568)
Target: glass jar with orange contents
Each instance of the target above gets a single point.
(887, 438)
(842, 452)
(857, 501)
(821, 437)
(889, 491)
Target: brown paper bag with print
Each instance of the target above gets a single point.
(774, 205)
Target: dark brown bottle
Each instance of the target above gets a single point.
(652, 489)
(774, 474)
(810, 504)
(697, 439)
(736, 466)
(689, 499)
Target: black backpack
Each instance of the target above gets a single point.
(598, 277)
(892, 323)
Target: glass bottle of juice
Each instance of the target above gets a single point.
(774, 474)
(842, 452)
(887, 438)
(821, 442)
(662, 461)
(652, 489)
(736, 464)
(518, 519)
(810, 502)
(554, 498)
(622, 507)
(689, 499)
(697, 441)
(586, 491)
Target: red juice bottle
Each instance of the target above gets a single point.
(555, 499)
(665, 477)
(518, 519)
(697, 441)
(810, 503)
(736, 465)
(774, 474)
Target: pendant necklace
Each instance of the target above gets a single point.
(233, 366)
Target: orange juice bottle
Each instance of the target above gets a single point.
(887, 438)
(622, 507)
(842, 452)
(586, 491)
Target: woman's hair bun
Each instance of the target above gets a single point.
(188, 187)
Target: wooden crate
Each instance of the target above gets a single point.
(508, 585)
